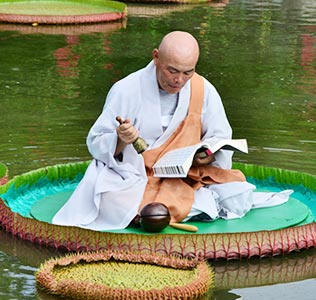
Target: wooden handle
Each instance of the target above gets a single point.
(185, 227)
(119, 119)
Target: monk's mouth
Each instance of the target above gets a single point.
(175, 87)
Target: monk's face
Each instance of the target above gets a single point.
(175, 60)
(172, 71)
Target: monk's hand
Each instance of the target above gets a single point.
(126, 132)
(198, 161)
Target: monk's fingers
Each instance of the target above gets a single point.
(125, 129)
(130, 139)
(127, 135)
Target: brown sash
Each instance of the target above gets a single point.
(176, 193)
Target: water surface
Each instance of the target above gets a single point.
(260, 55)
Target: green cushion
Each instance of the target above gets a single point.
(291, 213)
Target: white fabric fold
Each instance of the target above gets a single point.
(266, 199)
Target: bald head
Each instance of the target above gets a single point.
(175, 60)
(179, 45)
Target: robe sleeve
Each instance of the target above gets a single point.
(215, 125)
(102, 137)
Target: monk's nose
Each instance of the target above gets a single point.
(179, 79)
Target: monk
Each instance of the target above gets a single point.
(170, 106)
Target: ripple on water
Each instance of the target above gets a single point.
(17, 281)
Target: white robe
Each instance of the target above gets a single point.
(109, 195)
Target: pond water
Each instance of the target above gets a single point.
(260, 55)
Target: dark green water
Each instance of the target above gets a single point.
(260, 55)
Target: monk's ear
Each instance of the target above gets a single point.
(155, 55)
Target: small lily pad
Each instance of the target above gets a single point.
(110, 275)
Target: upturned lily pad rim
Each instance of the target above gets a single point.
(209, 246)
(3, 170)
(4, 174)
(181, 2)
(71, 171)
(112, 11)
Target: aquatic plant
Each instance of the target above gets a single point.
(3, 174)
(118, 275)
(231, 245)
(61, 12)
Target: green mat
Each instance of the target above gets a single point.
(291, 213)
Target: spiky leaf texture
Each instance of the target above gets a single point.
(113, 275)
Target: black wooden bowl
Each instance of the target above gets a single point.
(154, 217)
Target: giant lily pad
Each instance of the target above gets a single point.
(61, 12)
(30, 199)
